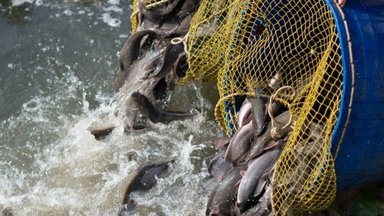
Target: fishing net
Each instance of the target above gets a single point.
(148, 4)
(257, 47)
(208, 38)
(134, 15)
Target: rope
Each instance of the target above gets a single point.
(178, 40)
(269, 108)
(152, 5)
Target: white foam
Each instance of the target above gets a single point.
(20, 2)
(38, 2)
(113, 22)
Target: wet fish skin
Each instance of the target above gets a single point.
(218, 166)
(145, 179)
(240, 143)
(136, 82)
(6, 212)
(281, 129)
(128, 54)
(255, 171)
(208, 210)
(170, 56)
(225, 195)
(244, 113)
(101, 133)
(157, 14)
(220, 142)
(155, 115)
(263, 207)
(258, 114)
(258, 143)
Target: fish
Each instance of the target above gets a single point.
(281, 127)
(7, 211)
(209, 202)
(170, 56)
(258, 114)
(179, 70)
(263, 207)
(250, 180)
(223, 200)
(277, 109)
(259, 143)
(101, 133)
(245, 113)
(128, 54)
(159, 13)
(156, 115)
(136, 81)
(220, 142)
(240, 143)
(145, 179)
(264, 181)
(218, 167)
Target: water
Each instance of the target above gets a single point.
(57, 63)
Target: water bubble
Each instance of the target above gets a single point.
(67, 12)
(38, 2)
(19, 2)
(115, 2)
(113, 22)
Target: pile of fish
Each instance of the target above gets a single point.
(152, 60)
(244, 164)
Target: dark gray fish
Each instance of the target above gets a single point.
(255, 171)
(128, 54)
(263, 182)
(220, 142)
(281, 129)
(240, 143)
(7, 212)
(277, 108)
(179, 70)
(188, 8)
(259, 143)
(263, 207)
(218, 166)
(245, 113)
(225, 195)
(210, 199)
(146, 178)
(158, 14)
(258, 114)
(153, 114)
(101, 133)
(170, 56)
(136, 82)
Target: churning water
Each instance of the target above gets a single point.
(57, 63)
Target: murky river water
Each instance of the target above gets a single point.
(57, 63)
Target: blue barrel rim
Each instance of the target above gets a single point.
(348, 87)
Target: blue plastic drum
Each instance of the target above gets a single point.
(358, 140)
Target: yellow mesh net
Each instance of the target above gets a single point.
(148, 4)
(134, 15)
(209, 35)
(263, 45)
